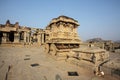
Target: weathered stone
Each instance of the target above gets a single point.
(13, 33)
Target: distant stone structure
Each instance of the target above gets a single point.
(13, 33)
(38, 36)
(109, 45)
(16, 34)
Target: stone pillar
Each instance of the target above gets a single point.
(97, 63)
(30, 37)
(4, 38)
(103, 45)
(111, 47)
(42, 38)
(39, 39)
(25, 37)
(16, 37)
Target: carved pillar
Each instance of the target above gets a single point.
(16, 37)
(27, 37)
(4, 38)
(42, 39)
(103, 45)
(39, 39)
(24, 36)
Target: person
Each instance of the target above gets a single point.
(102, 74)
(99, 73)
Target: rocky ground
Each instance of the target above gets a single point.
(31, 63)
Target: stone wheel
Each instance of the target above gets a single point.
(47, 48)
(53, 49)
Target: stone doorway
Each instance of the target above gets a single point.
(11, 36)
(1, 35)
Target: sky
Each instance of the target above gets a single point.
(97, 18)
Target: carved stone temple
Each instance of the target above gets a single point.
(13, 33)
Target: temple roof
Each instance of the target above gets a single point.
(63, 18)
(66, 17)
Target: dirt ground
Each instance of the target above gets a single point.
(22, 63)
